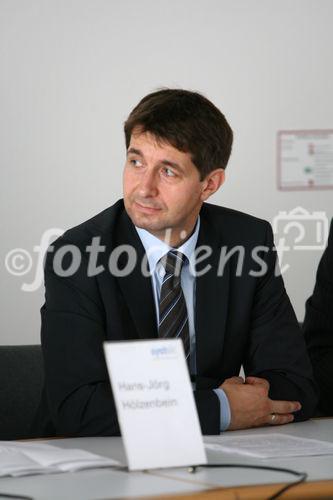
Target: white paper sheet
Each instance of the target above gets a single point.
(271, 446)
(20, 459)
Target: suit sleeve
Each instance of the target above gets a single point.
(277, 350)
(208, 407)
(318, 328)
(73, 330)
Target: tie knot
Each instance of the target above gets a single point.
(173, 262)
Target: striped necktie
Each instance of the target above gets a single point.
(173, 319)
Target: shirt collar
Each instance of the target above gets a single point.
(156, 249)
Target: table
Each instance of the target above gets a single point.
(206, 484)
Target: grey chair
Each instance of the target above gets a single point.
(21, 381)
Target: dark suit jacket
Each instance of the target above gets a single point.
(239, 320)
(318, 328)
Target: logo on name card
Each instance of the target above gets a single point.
(166, 352)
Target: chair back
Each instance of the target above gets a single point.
(21, 382)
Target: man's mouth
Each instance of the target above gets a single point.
(146, 208)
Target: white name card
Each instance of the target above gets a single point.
(155, 404)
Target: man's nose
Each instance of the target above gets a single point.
(148, 184)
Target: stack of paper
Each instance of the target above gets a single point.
(271, 446)
(22, 459)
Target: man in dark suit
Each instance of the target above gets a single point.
(232, 303)
(318, 328)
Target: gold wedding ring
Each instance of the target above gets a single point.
(273, 417)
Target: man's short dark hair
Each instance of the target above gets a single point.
(189, 122)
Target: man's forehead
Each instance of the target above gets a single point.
(146, 137)
(151, 143)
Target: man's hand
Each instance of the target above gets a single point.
(250, 405)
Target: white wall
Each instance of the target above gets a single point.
(71, 70)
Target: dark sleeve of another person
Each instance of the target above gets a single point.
(318, 328)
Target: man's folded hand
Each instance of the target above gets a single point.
(250, 405)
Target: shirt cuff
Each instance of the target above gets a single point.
(225, 415)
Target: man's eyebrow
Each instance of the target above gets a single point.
(173, 164)
(134, 151)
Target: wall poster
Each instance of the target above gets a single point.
(305, 159)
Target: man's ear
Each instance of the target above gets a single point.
(212, 182)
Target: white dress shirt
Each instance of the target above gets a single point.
(155, 250)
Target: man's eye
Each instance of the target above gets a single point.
(135, 163)
(168, 172)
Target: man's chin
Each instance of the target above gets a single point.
(149, 226)
(154, 227)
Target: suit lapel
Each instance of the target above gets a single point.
(135, 287)
(211, 302)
